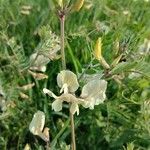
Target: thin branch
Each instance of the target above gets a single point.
(62, 26)
(62, 22)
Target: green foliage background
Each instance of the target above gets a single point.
(123, 121)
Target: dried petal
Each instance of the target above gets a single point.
(38, 76)
(1, 91)
(27, 86)
(26, 7)
(57, 105)
(3, 104)
(94, 93)
(37, 124)
(23, 95)
(46, 133)
(25, 12)
(38, 68)
(69, 78)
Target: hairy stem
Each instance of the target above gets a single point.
(62, 23)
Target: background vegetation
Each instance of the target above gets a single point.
(123, 121)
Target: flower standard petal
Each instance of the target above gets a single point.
(37, 124)
(69, 78)
(57, 105)
(93, 93)
(64, 89)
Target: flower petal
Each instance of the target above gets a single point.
(57, 105)
(44, 135)
(64, 89)
(69, 78)
(69, 98)
(93, 93)
(50, 93)
(74, 108)
(37, 124)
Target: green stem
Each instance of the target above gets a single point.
(53, 143)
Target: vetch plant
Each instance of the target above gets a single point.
(67, 80)
(121, 54)
(93, 93)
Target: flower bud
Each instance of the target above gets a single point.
(98, 54)
(78, 5)
(97, 50)
(60, 3)
(116, 61)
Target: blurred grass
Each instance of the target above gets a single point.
(111, 125)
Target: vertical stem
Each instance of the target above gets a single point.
(62, 23)
(72, 132)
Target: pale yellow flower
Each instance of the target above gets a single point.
(93, 93)
(67, 79)
(37, 125)
(69, 98)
